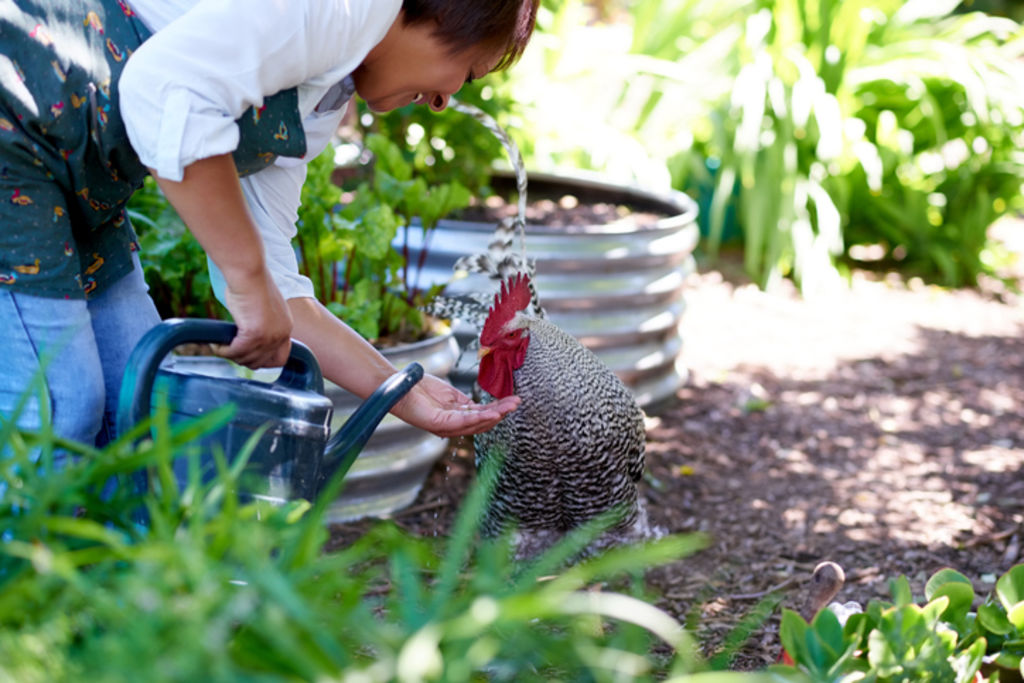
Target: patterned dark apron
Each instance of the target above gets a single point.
(66, 166)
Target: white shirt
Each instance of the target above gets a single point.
(210, 60)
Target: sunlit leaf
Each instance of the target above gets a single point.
(1010, 586)
(954, 586)
(900, 589)
(993, 619)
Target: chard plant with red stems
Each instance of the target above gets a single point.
(346, 242)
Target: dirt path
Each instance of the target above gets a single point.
(881, 427)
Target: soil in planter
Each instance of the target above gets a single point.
(432, 328)
(553, 208)
(199, 349)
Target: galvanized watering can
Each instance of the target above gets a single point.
(295, 456)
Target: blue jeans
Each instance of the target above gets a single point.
(72, 354)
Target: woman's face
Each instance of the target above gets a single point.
(412, 65)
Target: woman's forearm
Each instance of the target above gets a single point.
(351, 362)
(209, 199)
(345, 358)
(210, 202)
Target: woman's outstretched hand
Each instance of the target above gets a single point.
(443, 410)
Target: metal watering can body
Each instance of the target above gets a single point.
(294, 455)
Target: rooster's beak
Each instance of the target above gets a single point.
(483, 351)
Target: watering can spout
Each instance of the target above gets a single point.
(344, 446)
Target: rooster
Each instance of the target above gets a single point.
(574, 448)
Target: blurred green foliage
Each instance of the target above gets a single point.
(217, 588)
(802, 127)
(942, 638)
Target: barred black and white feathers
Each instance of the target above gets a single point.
(500, 262)
(573, 450)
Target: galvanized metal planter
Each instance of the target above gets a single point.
(617, 287)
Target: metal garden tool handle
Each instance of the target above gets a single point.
(344, 446)
(301, 371)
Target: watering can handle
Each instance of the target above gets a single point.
(301, 371)
(345, 444)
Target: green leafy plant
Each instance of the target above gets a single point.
(348, 249)
(940, 155)
(445, 147)
(173, 261)
(940, 640)
(815, 134)
(871, 122)
(217, 588)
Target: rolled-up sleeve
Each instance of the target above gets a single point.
(183, 89)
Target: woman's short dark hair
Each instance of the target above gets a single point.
(464, 24)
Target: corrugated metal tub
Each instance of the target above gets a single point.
(391, 468)
(617, 287)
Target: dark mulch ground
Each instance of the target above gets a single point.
(881, 427)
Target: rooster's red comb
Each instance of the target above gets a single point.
(513, 297)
